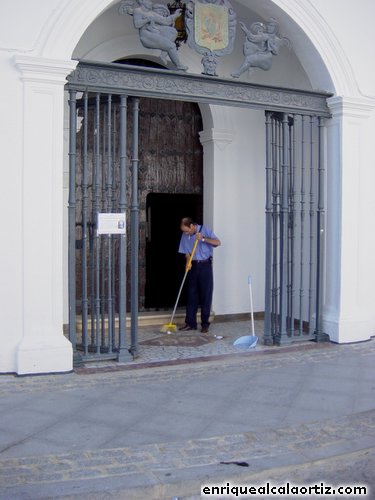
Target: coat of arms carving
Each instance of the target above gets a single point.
(211, 27)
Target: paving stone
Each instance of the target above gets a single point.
(169, 425)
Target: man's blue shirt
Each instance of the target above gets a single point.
(204, 250)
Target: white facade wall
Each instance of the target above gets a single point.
(234, 186)
(36, 51)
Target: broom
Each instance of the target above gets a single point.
(171, 327)
(248, 341)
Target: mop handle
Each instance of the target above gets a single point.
(251, 305)
(183, 281)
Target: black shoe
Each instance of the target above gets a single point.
(186, 328)
(204, 329)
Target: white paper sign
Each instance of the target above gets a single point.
(111, 223)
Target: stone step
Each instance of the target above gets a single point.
(153, 318)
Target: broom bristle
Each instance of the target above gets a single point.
(170, 328)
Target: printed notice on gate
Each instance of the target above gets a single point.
(113, 223)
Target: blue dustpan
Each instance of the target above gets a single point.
(246, 341)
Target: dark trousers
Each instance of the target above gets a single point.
(200, 288)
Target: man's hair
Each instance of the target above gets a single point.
(187, 221)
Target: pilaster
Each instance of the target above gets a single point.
(43, 347)
(214, 143)
(348, 315)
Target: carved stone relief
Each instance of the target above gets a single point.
(211, 27)
(156, 28)
(261, 44)
(211, 31)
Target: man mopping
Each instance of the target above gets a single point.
(200, 279)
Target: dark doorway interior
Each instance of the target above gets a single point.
(165, 267)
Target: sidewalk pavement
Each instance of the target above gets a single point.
(160, 427)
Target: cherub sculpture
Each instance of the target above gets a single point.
(262, 43)
(155, 26)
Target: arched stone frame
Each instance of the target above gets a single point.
(44, 69)
(315, 40)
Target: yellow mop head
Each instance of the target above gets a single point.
(169, 328)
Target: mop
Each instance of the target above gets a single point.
(248, 341)
(171, 327)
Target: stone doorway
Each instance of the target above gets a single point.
(170, 186)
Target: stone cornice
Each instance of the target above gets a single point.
(43, 69)
(219, 137)
(359, 107)
(136, 81)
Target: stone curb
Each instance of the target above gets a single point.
(179, 468)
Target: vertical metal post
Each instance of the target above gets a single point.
(282, 337)
(102, 240)
(267, 335)
(92, 239)
(302, 227)
(84, 227)
(275, 225)
(312, 228)
(72, 225)
(115, 239)
(96, 209)
(319, 335)
(123, 354)
(291, 224)
(109, 186)
(134, 230)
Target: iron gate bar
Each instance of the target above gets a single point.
(282, 336)
(123, 354)
(108, 189)
(134, 229)
(84, 300)
(102, 240)
(302, 224)
(96, 205)
(291, 217)
(275, 222)
(312, 231)
(292, 224)
(174, 85)
(114, 249)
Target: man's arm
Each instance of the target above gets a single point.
(215, 242)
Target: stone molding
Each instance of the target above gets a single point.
(220, 138)
(148, 82)
(351, 106)
(39, 69)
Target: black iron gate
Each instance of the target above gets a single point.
(99, 98)
(295, 227)
(97, 286)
